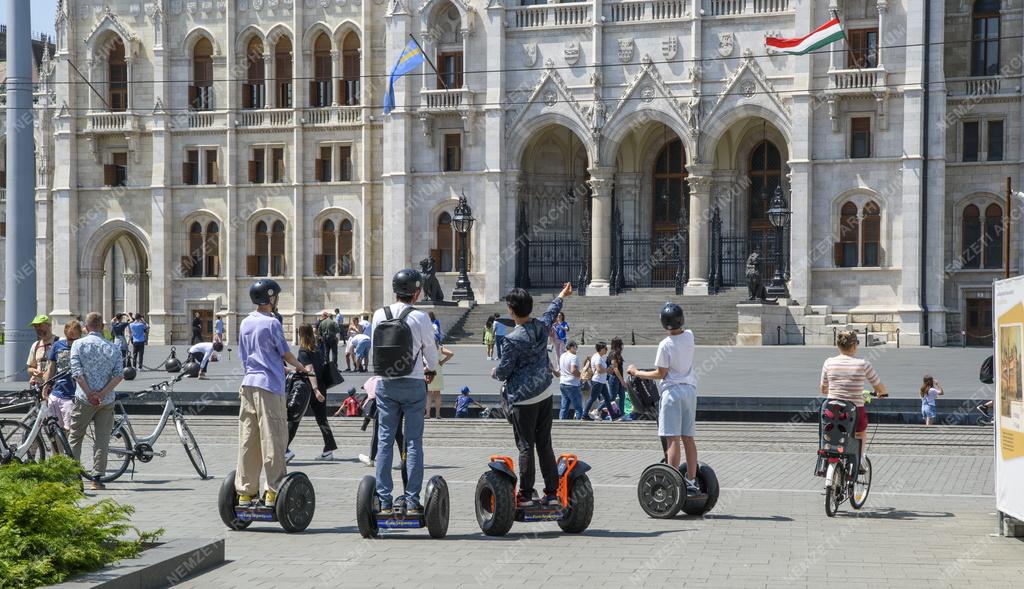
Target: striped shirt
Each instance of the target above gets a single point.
(845, 375)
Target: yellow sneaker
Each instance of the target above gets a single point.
(270, 498)
(245, 500)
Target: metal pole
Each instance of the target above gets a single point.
(20, 271)
(1006, 227)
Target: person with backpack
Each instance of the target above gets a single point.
(405, 357)
(329, 333)
(526, 371)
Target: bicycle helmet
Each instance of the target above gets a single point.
(406, 282)
(262, 290)
(672, 316)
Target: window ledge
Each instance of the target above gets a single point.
(859, 269)
(345, 277)
(201, 278)
(979, 270)
(981, 163)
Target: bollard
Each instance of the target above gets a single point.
(778, 335)
(834, 331)
(963, 339)
(897, 338)
(929, 338)
(583, 337)
(803, 335)
(632, 337)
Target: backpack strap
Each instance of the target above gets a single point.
(387, 312)
(405, 313)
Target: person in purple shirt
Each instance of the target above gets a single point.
(262, 414)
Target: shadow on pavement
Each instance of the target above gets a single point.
(896, 514)
(750, 518)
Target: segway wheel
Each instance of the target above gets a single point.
(581, 506)
(296, 503)
(495, 503)
(708, 483)
(661, 491)
(366, 507)
(436, 509)
(227, 499)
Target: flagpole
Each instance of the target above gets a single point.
(430, 63)
(846, 40)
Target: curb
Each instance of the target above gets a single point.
(165, 564)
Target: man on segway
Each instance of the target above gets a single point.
(262, 414)
(526, 371)
(405, 357)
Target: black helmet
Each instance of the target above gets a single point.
(406, 282)
(261, 291)
(672, 316)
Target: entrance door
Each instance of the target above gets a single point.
(978, 324)
(206, 317)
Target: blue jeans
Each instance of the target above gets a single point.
(498, 341)
(397, 397)
(572, 401)
(617, 393)
(598, 389)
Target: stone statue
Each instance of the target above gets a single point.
(755, 285)
(431, 287)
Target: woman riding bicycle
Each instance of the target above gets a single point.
(843, 376)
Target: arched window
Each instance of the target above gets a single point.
(329, 249)
(212, 243)
(320, 85)
(350, 69)
(194, 260)
(277, 249)
(993, 243)
(200, 95)
(970, 237)
(860, 236)
(203, 256)
(765, 176)
(445, 252)
(259, 263)
(670, 187)
(283, 73)
(849, 231)
(117, 76)
(871, 236)
(346, 265)
(254, 88)
(985, 38)
(447, 27)
(335, 257)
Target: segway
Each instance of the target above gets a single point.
(497, 503)
(662, 490)
(296, 502)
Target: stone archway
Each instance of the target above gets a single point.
(118, 275)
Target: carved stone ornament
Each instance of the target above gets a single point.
(572, 52)
(257, 4)
(647, 93)
(551, 98)
(626, 50)
(670, 47)
(726, 44)
(748, 88)
(243, 5)
(530, 53)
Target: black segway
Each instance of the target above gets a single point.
(497, 505)
(296, 502)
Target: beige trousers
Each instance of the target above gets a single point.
(82, 414)
(262, 440)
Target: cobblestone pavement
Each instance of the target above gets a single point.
(928, 521)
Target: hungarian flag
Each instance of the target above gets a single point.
(826, 34)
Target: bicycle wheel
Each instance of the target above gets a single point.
(861, 486)
(58, 439)
(834, 489)
(118, 452)
(15, 433)
(191, 446)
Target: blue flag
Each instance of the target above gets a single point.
(409, 60)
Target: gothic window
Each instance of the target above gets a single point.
(860, 236)
(203, 256)
(117, 76)
(670, 188)
(765, 176)
(985, 38)
(283, 73)
(253, 90)
(336, 256)
(320, 85)
(267, 256)
(350, 69)
(200, 93)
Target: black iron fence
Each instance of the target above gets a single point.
(652, 262)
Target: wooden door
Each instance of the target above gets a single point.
(978, 322)
(206, 317)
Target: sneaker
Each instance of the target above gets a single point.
(288, 456)
(551, 501)
(97, 486)
(413, 507)
(587, 418)
(270, 498)
(327, 455)
(524, 501)
(386, 510)
(365, 460)
(691, 487)
(245, 500)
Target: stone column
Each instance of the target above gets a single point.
(335, 76)
(700, 214)
(128, 64)
(883, 10)
(90, 68)
(268, 78)
(601, 183)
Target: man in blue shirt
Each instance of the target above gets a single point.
(140, 333)
(499, 335)
(97, 367)
(218, 329)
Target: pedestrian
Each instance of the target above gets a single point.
(118, 327)
(500, 329)
(569, 383)
(350, 406)
(39, 353)
(315, 364)
(616, 377)
(329, 336)
(402, 335)
(202, 353)
(678, 387)
(139, 331)
(599, 383)
(526, 372)
(97, 368)
(561, 328)
(930, 392)
(489, 336)
(339, 320)
(463, 403)
(218, 329)
(197, 329)
(360, 343)
(367, 327)
(354, 328)
(60, 396)
(435, 386)
(262, 412)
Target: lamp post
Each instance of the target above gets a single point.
(778, 216)
(463, 222)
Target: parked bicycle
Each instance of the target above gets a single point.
(126, 447)
(37, 434)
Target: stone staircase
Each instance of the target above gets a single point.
(632, 315)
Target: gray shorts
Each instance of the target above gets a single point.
(678, 412)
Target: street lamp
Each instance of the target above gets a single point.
(463, 222)
(778, 216)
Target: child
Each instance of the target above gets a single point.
(463, 402)
(678, 411)
(489, 337)
(350, 404)
(435, 386)
(930, 391)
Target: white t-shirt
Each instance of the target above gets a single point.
(367, 327)
(566, 362)
(675, 352)
(423, 344)
(204, 348)
(595, 361)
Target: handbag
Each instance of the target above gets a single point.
(333, 375)
(588, 371)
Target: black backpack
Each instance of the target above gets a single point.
(393, 355)
(299, 391)
(985, 374)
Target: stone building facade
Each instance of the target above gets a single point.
(619, 144)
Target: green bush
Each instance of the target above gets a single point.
(47, 533)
